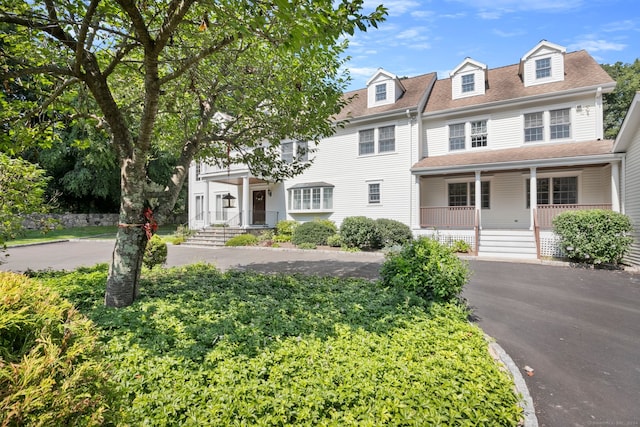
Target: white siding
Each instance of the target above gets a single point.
(478, 79)
(594, 185)
(508, 205)
(632, 200)
(506, 130)
(557, 67)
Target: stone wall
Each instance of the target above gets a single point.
(68, 220)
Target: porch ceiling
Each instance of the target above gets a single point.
(566, 154)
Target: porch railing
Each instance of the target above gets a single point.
(546, 213)
(448, 216)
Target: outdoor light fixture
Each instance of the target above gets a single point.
(228, 201)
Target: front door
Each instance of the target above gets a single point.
(259, 205)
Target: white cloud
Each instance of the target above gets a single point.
(411, 33)
(423, 14)
(490, 15)
(626, 25)
(362, 71)
(524, 5)
(596, 45)
(419, 46)
(400, 7)
(507, 34)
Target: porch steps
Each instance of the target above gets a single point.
(213, 236)
(519, 244)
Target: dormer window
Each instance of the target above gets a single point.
(468, 83)
(543, 68)
(381, 92)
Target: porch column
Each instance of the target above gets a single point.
(245, 201)
(478, 192)
(206, 207)
(533, 196)
(615, 186)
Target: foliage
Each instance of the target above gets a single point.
(393, 232)
(334, 241)
(594, 236)
(307, 245)
(22, 187)
(285, 229)
(155, 253)
(360, 232)
(202, 347)
(50, 372)
(617, 103)
(181, 235)
(266, 236)
(242, 240)
(225, 80)
(428, 268)
(315, 232)
(460, 246)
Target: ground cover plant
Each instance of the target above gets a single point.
(202, 347)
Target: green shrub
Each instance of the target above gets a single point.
(315, 232)
(593, 236)
(307, 245)
(286, 227)
(460, 246)
(266, 236)
(335, 241)
(426, 267)
(360, 232)
(155, 252)
(50, 372)
(242, 240)
(393, 232)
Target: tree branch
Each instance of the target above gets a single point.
(177, 10)
(82, 35)
(139, 25)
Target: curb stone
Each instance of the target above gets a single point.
(526, 402)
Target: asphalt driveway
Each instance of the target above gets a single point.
(578, 329)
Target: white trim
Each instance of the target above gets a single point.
(380, 183)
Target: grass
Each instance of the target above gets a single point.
(102, 232)
(202, 347)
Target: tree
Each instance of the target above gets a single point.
(617, 103)
(22, 187)
(158, 73)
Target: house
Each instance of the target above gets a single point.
(487, 155)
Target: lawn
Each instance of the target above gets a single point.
(102, 232)
(202, 347)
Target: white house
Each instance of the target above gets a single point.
(488, 155)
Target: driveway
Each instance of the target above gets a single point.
(578, 329)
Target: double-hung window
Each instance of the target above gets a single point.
(381, 92)
(533, 127)
(479, 134)
(543, 68)
(456, 137)
(386, 139)
(468, 83)
(560, 123)
(298, 151)
(286, 150)
(557, 190)
(310, 198)
(374, 193)
(367, 142)
(464, 194)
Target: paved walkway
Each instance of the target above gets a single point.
(578, 329)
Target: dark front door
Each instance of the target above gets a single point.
(259, 205)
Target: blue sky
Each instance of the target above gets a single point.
(424, 36)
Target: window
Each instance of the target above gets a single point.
(479, 134)
(198, 171)
(468, 83)
(374, 192)
(464, 194)
(533, 127)
(560, 123)
(302, 151)
(287, 152)
(543, 68)
(456, 137)
(367, 144)
(386, 139)
(381, 92)
(199, 207)
(559, 190)
(311, 198)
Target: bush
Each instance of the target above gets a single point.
(594, 236)
(427, 268)
(155, 252)
(49, 369)
(307, 246)
(393, 232)
(335, 241)
(360, 232)
(460, 246)
(285, 229)
(316, 232)
(242, 240)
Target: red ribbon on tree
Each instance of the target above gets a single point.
(151, 225)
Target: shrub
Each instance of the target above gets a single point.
(50, 372)
(360, 232)
(155, 252)
(285, 228)
(393, 232)
(460, 246)
(307, 245)
(242, 240)
(594, 236)
(315, 232)
(426, 267)
(335, 241)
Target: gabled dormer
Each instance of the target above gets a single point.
(468, 79)
(383, 88)
(543, 64)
